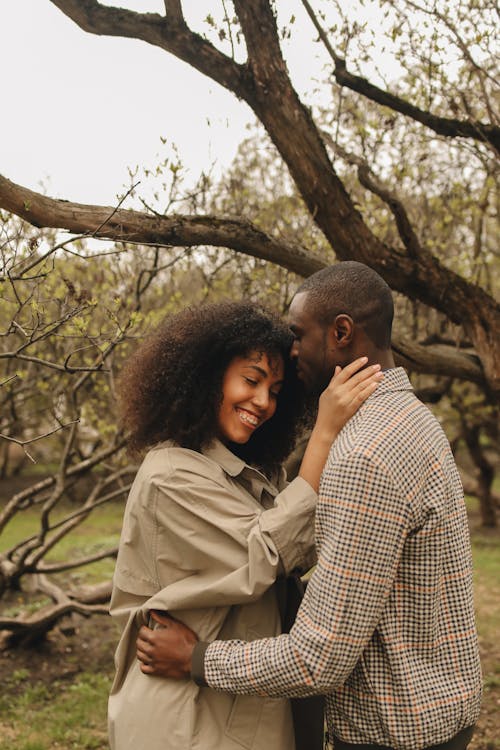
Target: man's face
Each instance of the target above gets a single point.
(310, 350)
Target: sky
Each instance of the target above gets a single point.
(78, 110)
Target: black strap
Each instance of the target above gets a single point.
(458, 742)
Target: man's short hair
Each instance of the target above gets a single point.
(357, 290)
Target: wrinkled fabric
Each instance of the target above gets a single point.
(205, 536)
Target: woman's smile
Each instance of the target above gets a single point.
(248, 417)
(250, 391)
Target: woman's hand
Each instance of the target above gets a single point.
(347, 390)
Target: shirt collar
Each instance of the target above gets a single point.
(395, 379)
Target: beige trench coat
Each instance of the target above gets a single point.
(204, 536)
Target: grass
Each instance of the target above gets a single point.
(63, 716)
(98, 532)
(60, 706)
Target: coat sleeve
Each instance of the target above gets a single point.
(189, 541)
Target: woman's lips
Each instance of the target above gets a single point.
(248, 418)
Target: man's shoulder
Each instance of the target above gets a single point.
(392, 426)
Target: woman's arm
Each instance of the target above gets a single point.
(347, 390)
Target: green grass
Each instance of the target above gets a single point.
(486, 561)
(64, 716)
(486, 555)
(98, 532)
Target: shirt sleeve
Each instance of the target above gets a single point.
(362, 522)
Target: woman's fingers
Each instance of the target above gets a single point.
(367, 388)
(343, 374)
(349, 392)
(353, 374)
(344, 381)
(372, 376)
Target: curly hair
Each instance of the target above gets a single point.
(171, 387)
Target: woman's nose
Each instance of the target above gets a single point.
(261, 398)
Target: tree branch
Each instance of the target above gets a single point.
(24, 443)
(171, 33)
(174, 11)
(370, 182)
(437, 360)
(448, 127)
(136, 227)
(264, 83)
(60, 567)
(35, 627)
(25, 498)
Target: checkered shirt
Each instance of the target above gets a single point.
(386, 628)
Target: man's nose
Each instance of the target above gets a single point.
(294, 351)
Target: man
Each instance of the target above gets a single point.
(386, 628)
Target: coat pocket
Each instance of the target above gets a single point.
(244, 719)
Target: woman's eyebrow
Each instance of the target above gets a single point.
(264, 373)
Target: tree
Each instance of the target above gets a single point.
(263, 82)
(399, 174)
(257, 188)
(69, 315)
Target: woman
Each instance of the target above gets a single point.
(211, 529)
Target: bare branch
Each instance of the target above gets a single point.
(462, 44)
(115, 209)
(26, 497)
(36, 626)
(370, 182)
(8, 380)
(170, 33)
(174, 11)
(99, 593)
(448, 127)
(265, 85)
(437, 360)
(23, 443)
(237, 234)
(60, 567)
(137, 227)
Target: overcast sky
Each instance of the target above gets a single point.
(78, 109)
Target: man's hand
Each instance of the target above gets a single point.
(166, 651)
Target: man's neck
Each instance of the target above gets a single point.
(382, 357)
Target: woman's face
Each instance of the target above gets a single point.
(250, 389)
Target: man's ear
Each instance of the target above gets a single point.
(342, 330)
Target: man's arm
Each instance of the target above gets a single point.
(362, 524)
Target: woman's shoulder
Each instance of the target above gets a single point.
(167, 459)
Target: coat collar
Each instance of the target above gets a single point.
(395, 379)
(218, 452)
(234, 466)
